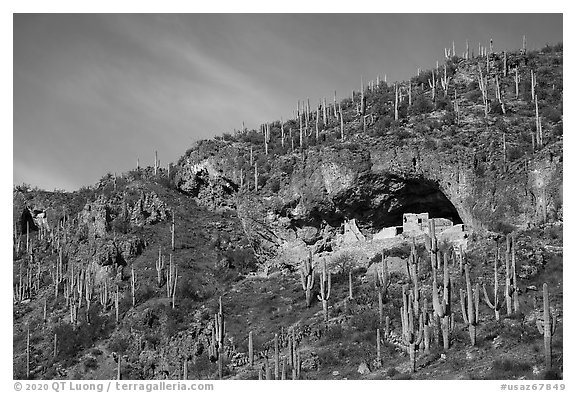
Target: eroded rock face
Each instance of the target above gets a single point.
(95, 218)
(375, 185)
(116, 252)
(202, 175)
(148, 210)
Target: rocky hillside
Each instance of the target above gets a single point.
(136, 273)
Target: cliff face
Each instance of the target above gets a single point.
(368, 181)
(469, 160)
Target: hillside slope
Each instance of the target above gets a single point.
(247, 209)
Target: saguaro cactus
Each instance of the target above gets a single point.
(483, 84)
(511, 288)
(396, 102)
(470, 302)
(382, 282)
(516, 80)
(412, 331)
(325, 285)
(250, 349)
(378, 349)
(350, 291)
(307, 278)
(442, 307)
(412, 270)
(341, 122)
(218, 333)
(432, 244)
(362, 103)
(173, 231)
(156, 164)
(171, 281)
(547, 327)
(276, 357)
(133, 286)
(256, 176)
(426, 326)
(159, 267)
(496, 304)
(117, 305)
(433, 85)
(28, 352)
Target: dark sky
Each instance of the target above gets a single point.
(93, 92)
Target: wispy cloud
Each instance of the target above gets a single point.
(94, 92)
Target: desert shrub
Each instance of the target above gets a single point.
(287, 165)
(402, 376)
(365, 321)
(146, 292)
(557, 131)
(445, 145)
(422, 79)
(90, 364)
(495, 107)
(382, 125)
(343, 261)
(333, 334)
(242, 258)
(402, 134)
(552, 48)
(119, 344)
(228, 137)
(473, 95)
(421, 105)
(552, 374)
(508, 368)
(327, 357)
(502, 227)
(429, 144)
(449, 118)
(442, 102)
(421, 128)
(152, 340)
(552, 114)
(274, 184)
(201, 367)
(513, 153)
(175, 321)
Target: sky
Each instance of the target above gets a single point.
(92, 93)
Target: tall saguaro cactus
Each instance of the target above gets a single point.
(496, 303)
(470, 301)
(173, 231)
(412, 329)
(341, 122)
(132, 286)
(547, 327)
(307, 278)
(511, 295)
(325, 286)
(171, 281)
(218, 333)
(159, 267)
(276, 357)
(382, 282)
(250, 349)
(442, 306)
(412, 270)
